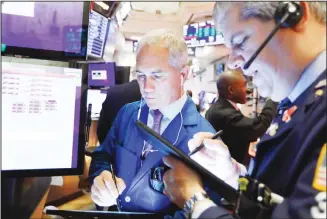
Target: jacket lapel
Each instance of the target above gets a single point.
(171, 133)
(267, 148)
(224, 102)
(144, 118)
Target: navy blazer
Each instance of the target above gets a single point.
(123, 147)
(288, 158)
(282, 155)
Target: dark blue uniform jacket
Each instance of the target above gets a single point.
(291, 159)
(123, 147)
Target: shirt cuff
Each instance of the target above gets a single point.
(243, 170)
(201, 206)
(238, 170)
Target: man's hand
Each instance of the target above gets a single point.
(104, 191)
(181, 183)
(216, 158)
(213, 149)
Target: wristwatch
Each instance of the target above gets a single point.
(189, 204)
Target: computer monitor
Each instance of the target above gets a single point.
(101, 75)
(97, 34)
(43, 120)
(45, 30)
(202, 34)
(219, 68)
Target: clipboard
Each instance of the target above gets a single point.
(165, 147)
(102, 214)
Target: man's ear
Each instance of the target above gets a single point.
(184, 72)
(300, 27)
(230, 90)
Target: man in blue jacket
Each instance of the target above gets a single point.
(291, 158)
(161, 70)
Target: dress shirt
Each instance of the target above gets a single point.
(309, 75)
(169, 113)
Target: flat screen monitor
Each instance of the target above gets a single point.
(97, 34)
(45, 30)
(101, 74)
(42, 120)
(191, 34)
(219, 68)
(202, 34)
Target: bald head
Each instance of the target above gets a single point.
(231, 85)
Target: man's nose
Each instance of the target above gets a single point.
(235, 61)
(149, 84)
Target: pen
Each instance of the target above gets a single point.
(202, 145)
(114, 178)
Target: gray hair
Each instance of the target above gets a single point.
(263, 10)
(167, 39)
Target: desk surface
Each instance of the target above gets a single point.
(111, 214)
(93, 138)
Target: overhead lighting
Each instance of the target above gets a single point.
(137, 38)
(122, 12)
(103, 5)
(154, 7)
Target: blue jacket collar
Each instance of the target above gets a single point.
(188, 112)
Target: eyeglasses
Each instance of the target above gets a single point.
(156, 179)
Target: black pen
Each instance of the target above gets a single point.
(114, 178)
(202, 145)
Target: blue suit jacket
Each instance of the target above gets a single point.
(280, 158)
(123, 147)
(287, 161)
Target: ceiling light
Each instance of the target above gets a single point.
(103, 5)
(137, 38)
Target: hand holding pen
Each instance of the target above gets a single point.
(115, 181)
(215, 157)
(208, 151)
(106, 188)
(215, 136)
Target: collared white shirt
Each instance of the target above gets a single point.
(234, 105)
(169, 113)
(309, 75)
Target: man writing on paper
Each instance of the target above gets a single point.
(291, 158)
(166, 108)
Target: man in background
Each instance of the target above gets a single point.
(238, 130)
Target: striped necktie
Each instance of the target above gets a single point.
(157, 117)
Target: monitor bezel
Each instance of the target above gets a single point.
(52, 55)
(81, 144)
(90, 56)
